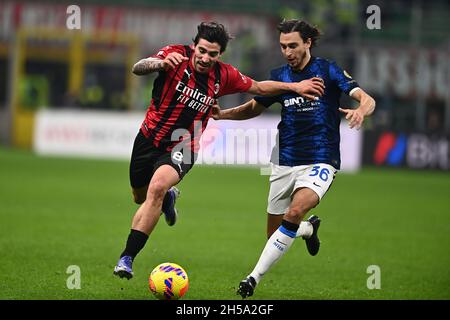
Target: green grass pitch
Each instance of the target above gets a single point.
(57, 212)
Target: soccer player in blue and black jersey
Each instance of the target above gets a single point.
(307, 157)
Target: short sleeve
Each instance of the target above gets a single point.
(342, 79)
(267, 101)
(234, 80)
(163, 52)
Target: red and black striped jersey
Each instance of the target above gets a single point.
(182, 99)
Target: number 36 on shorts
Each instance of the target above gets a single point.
(320, 177)
(322, 172)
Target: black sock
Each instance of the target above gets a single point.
(289, 225)
(136, 241)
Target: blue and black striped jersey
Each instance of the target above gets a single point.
(308, 132)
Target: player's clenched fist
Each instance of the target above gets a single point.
(173, 59)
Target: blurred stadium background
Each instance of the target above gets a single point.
(70, 108)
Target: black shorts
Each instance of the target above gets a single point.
(146, 158)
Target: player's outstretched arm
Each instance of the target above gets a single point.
(149, 65)
(310, 88)
(366, 108)
(245, 111)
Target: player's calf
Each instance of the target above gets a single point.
(303, 201)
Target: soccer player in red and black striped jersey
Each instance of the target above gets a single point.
(190, 80)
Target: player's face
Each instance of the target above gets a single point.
(294, 50)
(206, 55)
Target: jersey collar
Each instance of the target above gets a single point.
(305, 67)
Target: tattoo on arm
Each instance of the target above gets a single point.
(149, 65)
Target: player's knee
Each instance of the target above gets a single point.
(298, 212)
(302, 208)
(157, 190)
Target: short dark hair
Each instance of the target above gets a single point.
(305, 30)
(213, 32)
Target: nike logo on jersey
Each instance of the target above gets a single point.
(316, 184)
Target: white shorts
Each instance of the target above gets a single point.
(285, 180)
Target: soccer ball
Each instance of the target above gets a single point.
(168, 281)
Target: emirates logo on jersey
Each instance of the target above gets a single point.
(194, 98)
